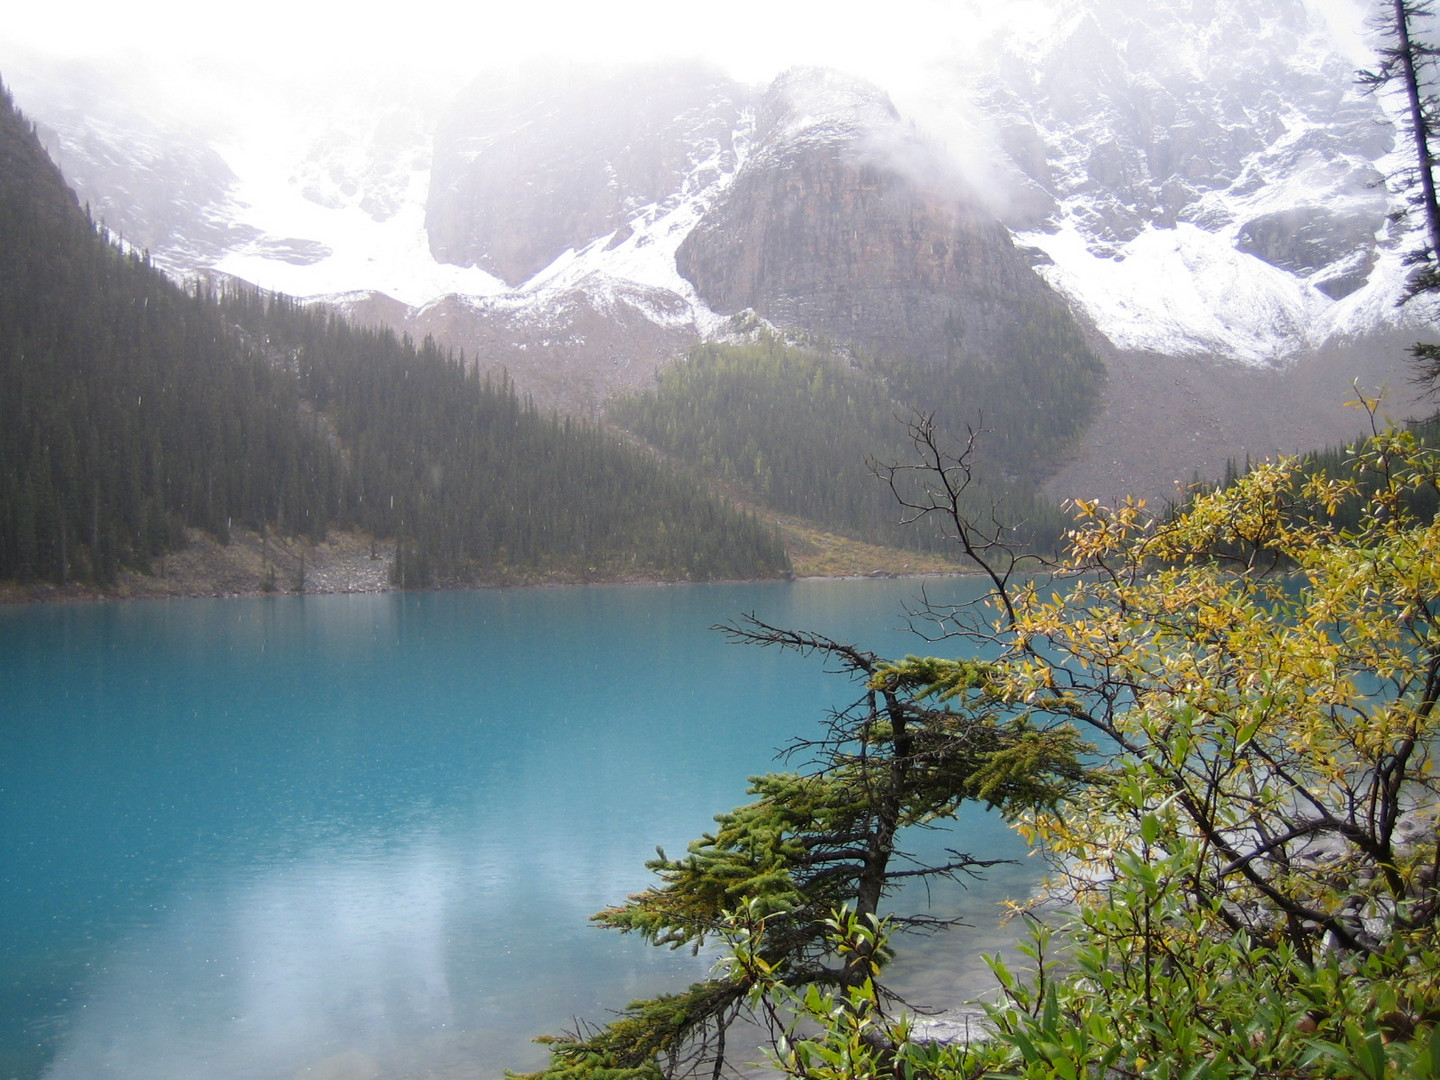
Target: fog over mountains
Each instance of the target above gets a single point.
(1201, 185)
(1210, 185)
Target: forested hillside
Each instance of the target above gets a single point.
(796, 428)
(469, 478)
(1033, 399)
(1345, 509)
(131, 410)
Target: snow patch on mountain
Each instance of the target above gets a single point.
(636, 264)
(632, 267)
(1200, 180)
(1216, 178)
(644, 250)
(1186, 291)
(339, 211)
(306, 248)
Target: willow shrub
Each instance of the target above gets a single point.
(1251, 875)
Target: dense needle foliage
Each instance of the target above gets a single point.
(799, 431)
(127, 413)
(474, 481)
(133, 410)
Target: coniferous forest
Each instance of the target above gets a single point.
(801, 430)
(132, 410)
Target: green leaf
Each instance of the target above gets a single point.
(1149, 829)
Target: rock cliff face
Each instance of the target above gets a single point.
(1150, 112)
(842, 220)
(1179, 142)
(527, 170)
(157, 183)
(1309, 239)
(1198, 179)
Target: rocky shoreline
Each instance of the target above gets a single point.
(249, 565)
(252, 564)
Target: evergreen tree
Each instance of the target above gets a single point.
(814, 841)
(132, 410)
(1407, 69)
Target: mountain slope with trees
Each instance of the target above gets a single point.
(800, 430)
(134, 410)
(1249, 861)
(128, 413)
(1199, 183)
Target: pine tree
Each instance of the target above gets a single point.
(1407, 68)
(815, 841)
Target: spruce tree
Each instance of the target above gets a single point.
(817, 840)
(1407, 69)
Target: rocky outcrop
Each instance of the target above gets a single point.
(1175, 139)
(844, 221)
(527, 170)
(1310, 238)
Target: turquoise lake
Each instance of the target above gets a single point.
(351, 837)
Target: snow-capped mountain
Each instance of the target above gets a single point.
(1199, 180)
(846, 220)
(1157, 155)
(1215, 180)
(150, 174)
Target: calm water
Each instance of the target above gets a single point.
(359, 836)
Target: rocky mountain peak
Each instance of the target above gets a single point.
(811, 104)
(1170, 134)
(1198, 179)
(1148, 108)
(845, 220)
(527, 169)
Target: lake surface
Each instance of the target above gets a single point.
(351, 837)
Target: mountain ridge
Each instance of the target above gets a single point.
(1198, 190)
(134, 413)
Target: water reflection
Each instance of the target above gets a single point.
(258, 977)
(355, 837)
(403, 960)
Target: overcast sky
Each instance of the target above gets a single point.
(755, 38)
(213, 56)
(204, 46)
